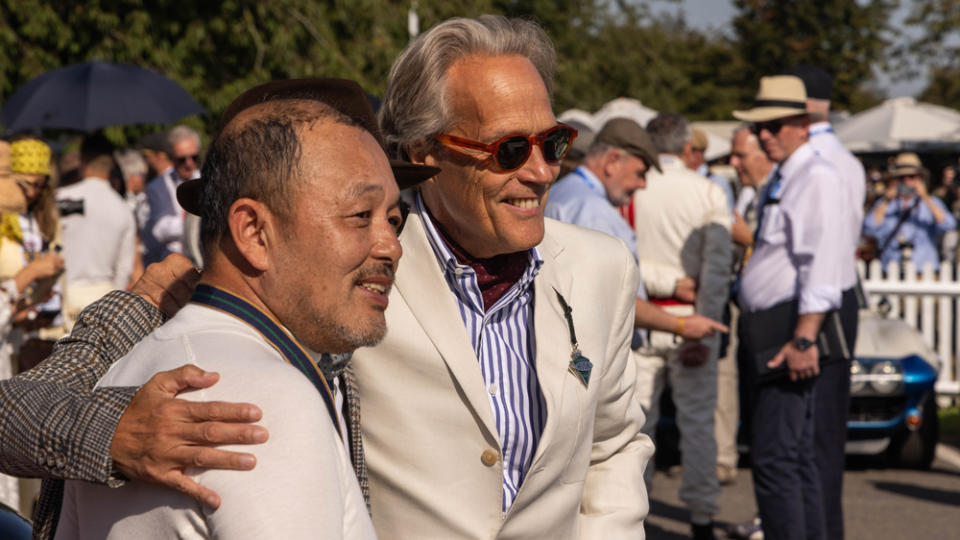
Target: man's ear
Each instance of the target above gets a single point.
(611, 162)
(251, 226)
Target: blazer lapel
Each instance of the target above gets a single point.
(424, 289)
(553, 338)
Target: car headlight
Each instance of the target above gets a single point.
(885, 377)
(857, 382)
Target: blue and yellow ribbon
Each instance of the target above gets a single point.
(273, 332)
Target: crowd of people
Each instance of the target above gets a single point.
(509, 368)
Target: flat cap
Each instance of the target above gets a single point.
(628, 135)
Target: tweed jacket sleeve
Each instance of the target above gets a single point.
(54, 424)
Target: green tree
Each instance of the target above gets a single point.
(844, 37)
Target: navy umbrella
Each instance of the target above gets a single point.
(89, 96)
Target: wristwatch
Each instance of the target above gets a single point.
(801, 343)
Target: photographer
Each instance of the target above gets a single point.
(907, 221)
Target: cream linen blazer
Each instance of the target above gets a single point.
(430, 439)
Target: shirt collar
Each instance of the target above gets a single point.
(820, 128)
(446, 257)
(594, 183)
(796, 160)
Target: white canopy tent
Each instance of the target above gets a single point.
(900, 124)
(631, 108)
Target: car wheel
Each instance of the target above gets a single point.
(917, 448)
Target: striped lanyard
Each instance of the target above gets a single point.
(270, 329)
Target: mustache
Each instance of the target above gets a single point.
(376, 270)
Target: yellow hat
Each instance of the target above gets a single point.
(30, 156)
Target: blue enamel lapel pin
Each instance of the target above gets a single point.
(580, 365)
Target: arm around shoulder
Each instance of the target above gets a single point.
(56, 424)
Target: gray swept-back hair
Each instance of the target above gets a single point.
(414, 105)
(669, 132)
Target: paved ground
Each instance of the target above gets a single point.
(878, 502)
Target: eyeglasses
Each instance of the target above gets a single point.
(773, 127)
(182, 160)
(510, 152)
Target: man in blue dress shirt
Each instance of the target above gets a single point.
(907, 217)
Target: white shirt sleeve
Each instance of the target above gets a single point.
(816, 252)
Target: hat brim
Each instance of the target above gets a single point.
(911, 170)
(190, 193)
(766, 114)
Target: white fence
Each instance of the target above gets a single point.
(926, 301)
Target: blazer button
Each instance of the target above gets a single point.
(489, 457)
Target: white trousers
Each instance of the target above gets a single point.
(695, 395)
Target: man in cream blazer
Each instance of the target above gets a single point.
(502, 403)
(430, 438)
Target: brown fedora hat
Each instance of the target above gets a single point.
(780, 96)
(906, 164)
(344, 95)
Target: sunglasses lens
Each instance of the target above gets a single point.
(556, 144)
(513, 152)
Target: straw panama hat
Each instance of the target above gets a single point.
(906, 164)
(780, 96)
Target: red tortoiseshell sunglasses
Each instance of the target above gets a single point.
(510, 152)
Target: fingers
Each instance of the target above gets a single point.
(173, 381)
(184, 484)
(777, 360)
(221, 411)
(168, 284)
(202, 457)
(722, 328)
(225, 433)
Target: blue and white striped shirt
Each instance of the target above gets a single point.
(504, 342)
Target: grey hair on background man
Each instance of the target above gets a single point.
(414, 107)
(180, 133)
(130, 162)
(669, 132)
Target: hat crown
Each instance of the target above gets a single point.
(907, 159)
(30, 156)
(782, 88)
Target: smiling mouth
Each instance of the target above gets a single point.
(526, 204)
(374, 287)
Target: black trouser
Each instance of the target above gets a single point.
(832, 397)
(786, 481)
(782, 442)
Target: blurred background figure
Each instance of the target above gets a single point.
(24, 276)
(98, 230)
(907, 222)
(134, 169)
(579, 148)
(155, 152)
(27, 236)
(682, 225)
(163, 233)
(694, 157)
